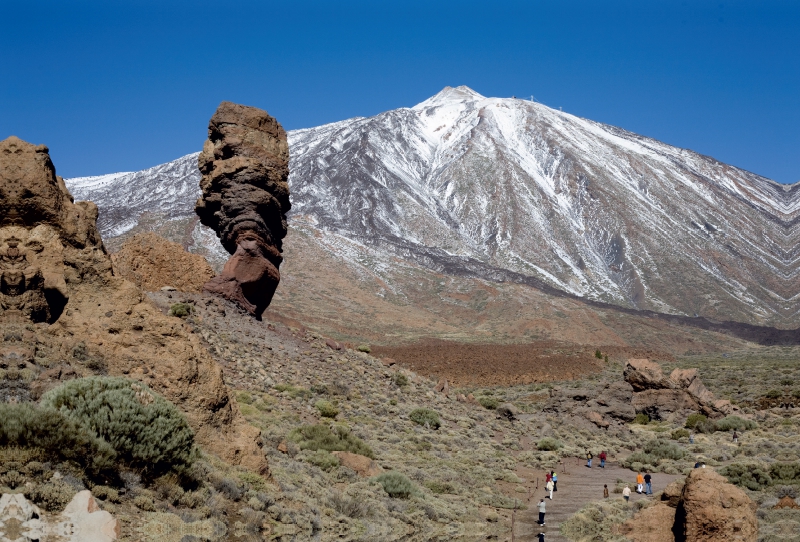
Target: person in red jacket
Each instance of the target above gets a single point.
(602, 457)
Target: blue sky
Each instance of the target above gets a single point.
(123, 85)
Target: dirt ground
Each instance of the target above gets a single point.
(464, 364)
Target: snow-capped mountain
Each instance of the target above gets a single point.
(511, 190)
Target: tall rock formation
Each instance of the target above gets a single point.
(64, 314)
(245, 170)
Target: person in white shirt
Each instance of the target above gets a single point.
(627, 493)
(549, 487)
(541, 512)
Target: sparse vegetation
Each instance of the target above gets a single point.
(642, 419)
(364, 348)
(489, 402)
(322, 437)
(400, 380)
(730, 423)
(326, 408)
(549, 444)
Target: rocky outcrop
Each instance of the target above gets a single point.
(245, 170)
(660, 396)
(151, 262)
(704, 508)
(715, 510)
(64, 313)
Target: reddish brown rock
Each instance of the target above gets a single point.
(443, 387)
(363, 465)
(151, 263)
(60, 297)
(717, 511)
(333, 345)
(787, 502)
(245, 170)
(644, 374)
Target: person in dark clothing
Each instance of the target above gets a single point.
(648, 483)
(589, 457)
(554, 477)
(605, 491)
(541, 537)
(541, 512)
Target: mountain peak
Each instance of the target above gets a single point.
(458, 94)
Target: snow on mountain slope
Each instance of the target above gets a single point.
(511, 190)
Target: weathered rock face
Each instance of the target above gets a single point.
(245, 170)
(717, 511)
(151, 262)
(704, 508)
(660, 396)
(64, 314)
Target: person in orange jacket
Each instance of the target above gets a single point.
(639, 483)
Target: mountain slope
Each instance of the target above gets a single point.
(510, 190)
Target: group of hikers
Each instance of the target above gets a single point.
(644, 485)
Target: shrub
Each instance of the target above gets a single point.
(352, 507)
(642, 419)
(426, 417)
(785, 472)
(440, 488)
(654, 453)
(598, 354)
(753, 477)
(786, 491)
(735, 423)
(322, 459)
(489, 402)
(396, 485)
(679, 434)
(549, 444)
(774, 394)
(694, 420)
(796, 393)
(181, 310)
(52, 496)
(364, 348)
(321, 437)
(326, 408)
(145, 430)
(34, 427)
(293, 391)
(400, 380)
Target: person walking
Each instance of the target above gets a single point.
(589, 457)
(605, 491)
(639, 483)
(735, 437)
(627, 493)
(541, 537)
(548, 476)
(554, 477)
(549, 487)
(541, 512)
(602, 457)
(648, 483)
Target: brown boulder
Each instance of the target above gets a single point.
(672, 493)
(643, 374)
(659, 404)
(787, 502)
(245, 170)
(59, 296)
(597, 419)
(717, 511)
(362, 464)
(651, 524)
(151, 263)
(443, 387)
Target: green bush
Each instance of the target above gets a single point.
(654, 453)
(321, 437)
(735, 423)
(326, 408)
(181, 310)
(30, 426)
(642, 419)
(425, 416)
(694, 420)
(549, 444)
(53, 496)
(796, 393)
(785, 472)
(322, 459)
(679, 434)
(753, 476)
(774, 394)
(400, 380)
(598, 354)
(293, 391)
(145, 430)
(489, 402)
(396, 485)
(364, 348)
